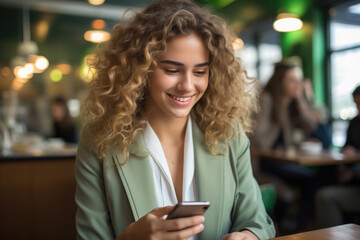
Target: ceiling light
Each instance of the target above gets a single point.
(98, 24)
(56, 75)
(96, 2)
(97, 33)
(238, 43)
(27, 62)
(42, 29)
(65, 68)
(29, 67)
(5, 71)
(41, 63)
(22, 72)
(96, 36)
(286, 22)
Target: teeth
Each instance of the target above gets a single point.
(181, 99)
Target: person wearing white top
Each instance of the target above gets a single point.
(167, 114)
(164, 187)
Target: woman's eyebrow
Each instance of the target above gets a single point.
(181, 64)
(202, 64)
(172, 62)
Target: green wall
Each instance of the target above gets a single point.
(309, 44)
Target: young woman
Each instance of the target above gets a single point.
(284, 109)
(166, 120)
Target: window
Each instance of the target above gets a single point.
(344, 58)
(260, 52)
(248, 56)
(269, 54)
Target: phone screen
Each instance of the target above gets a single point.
(188, 209)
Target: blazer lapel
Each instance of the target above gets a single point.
(209, 171)
(136, 176)
(137, 179)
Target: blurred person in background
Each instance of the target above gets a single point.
(63, 124)
(321, 132)
(284, 113)
(285, 109)
(333, 203)
(352, 144)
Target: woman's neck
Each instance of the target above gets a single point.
(169, 129)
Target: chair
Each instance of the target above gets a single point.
(268, 193)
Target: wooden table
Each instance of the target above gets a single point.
(306, 159)
(342, 232)
(37, 196)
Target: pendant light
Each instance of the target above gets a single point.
(97, 34)
(27, 62)
(287, 22)
(238, 43)
(96, 2)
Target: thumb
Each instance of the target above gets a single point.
(226, 237)
(162, 211)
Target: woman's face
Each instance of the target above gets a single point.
(57, 112)
(292, 83)
(180, 78)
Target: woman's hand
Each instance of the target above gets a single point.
(349, 151)
(243, 235)
(152, 226)
(300, 91)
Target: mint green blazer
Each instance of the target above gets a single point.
(110, 196)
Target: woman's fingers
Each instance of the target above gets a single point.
(180, 228)
(182, 223)
(162, 211)
(153, 226)
(185, 233)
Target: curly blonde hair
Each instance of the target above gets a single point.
(115, 108)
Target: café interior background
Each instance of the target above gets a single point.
(327, 47)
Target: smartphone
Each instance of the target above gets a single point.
(188, 209)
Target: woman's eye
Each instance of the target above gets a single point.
(199, 72)
(171, 70)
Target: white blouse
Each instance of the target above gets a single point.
(164, 187)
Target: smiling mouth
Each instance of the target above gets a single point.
(180, 99)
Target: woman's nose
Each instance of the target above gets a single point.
(186, 82)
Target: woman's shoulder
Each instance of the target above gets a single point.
(86, 136)
(239, 140)
(87, 143)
